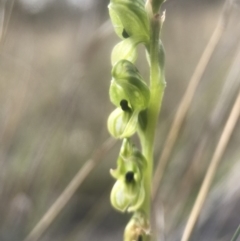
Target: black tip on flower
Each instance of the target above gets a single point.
(124, 105)
(125, 34)
(129, 177)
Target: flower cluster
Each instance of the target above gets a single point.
(130, 94)
(137, 107)
(128, 91)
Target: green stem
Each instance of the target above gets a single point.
(157, 86)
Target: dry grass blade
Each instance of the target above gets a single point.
(236, 234)
(215, 119)
(94, 216)
(222, 144)
(2, 15)
(5, 18)
(94, 42)
(158, 221)
(188, 96)
(69, 191)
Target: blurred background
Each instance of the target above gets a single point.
(54, 104)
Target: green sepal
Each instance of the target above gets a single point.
(126, 49)
(127, 165)
(136, 204)
(133, 160)
(127, 84)
(127, 197)
(125, 69)
(129, 16)
(126, 149)
(122, 124)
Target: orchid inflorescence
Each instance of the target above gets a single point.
(131, 96)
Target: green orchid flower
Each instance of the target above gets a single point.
(128, 84)
(130, 23)
(131, 95)
(128, 192)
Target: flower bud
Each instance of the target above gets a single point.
(137, 227)
(127, 85)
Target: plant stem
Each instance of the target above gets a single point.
(157, 86)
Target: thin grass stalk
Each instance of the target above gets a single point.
(188, 97)
(236, 234)
(5, 19)
(93, 217)
(69, 191)
(2, 17)
(213, 123)
(214, 163)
